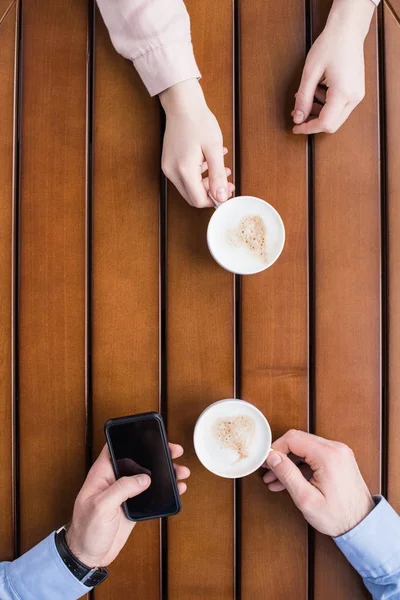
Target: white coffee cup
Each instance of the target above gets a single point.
(225, 224)
(232, 438)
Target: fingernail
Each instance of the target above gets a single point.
(274, 460)
(222, 194)
(143, 480)
(298, 116)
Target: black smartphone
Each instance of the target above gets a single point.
(138, 444)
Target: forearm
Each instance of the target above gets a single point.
(155, 35)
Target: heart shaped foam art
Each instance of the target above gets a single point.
(251, 234)
(235, 434)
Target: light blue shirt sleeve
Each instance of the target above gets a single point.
(40, 574)
(373, 548)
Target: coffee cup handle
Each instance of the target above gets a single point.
(269, 452)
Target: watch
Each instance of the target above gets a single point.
(90, 576)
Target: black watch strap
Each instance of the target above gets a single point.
(86, 575)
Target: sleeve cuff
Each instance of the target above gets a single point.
(167, 65)
(40, 573)
(373, 546)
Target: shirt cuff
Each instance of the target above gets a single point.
(373, 546)
(167, 65)
(40, 573)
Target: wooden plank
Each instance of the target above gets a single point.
(347, 289)
(394, 5)
(274, 303)
(125, 279)
(200, 343)
(52, 271)
(8, 20)
(392, 53)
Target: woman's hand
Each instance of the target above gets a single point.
(192, 145)
(334, 70)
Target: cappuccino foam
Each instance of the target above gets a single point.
(235, 433)
(251, 234)
(232, 438)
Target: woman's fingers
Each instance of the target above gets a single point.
(231, 187)
(331, 117)
(304, 96)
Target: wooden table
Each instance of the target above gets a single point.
(110, 303)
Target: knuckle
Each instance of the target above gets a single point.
(292, 433)
(300, 96)
(199, 203)
(217, 176)
(287, 477)
(356, 97)
(184, 171)
(123, 483)
(328, 126)
(167, 169)
(344, 450)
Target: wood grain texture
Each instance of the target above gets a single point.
(52, 269)
(125, 280)
(274, 303)
(200, 343)
(347, 300)
(8, 21)
(392, 53)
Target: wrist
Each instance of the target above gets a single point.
(365, 507)
(90, 576)
(184, 97)
(75, 549)
(351, 16)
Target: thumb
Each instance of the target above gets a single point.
(305, 95)
(216, 171)
(122, 489)
(291, 477)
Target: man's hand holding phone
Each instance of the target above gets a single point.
(99, 528)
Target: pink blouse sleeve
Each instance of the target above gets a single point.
(155, 35)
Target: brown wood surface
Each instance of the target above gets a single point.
(200, 343)
(274, 303)
(394, 7)
(52, 265)
(347, 303)
(125, 279)
(8, 20)
(123, 366)
(392, 46)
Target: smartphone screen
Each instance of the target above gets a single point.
(138, 445)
